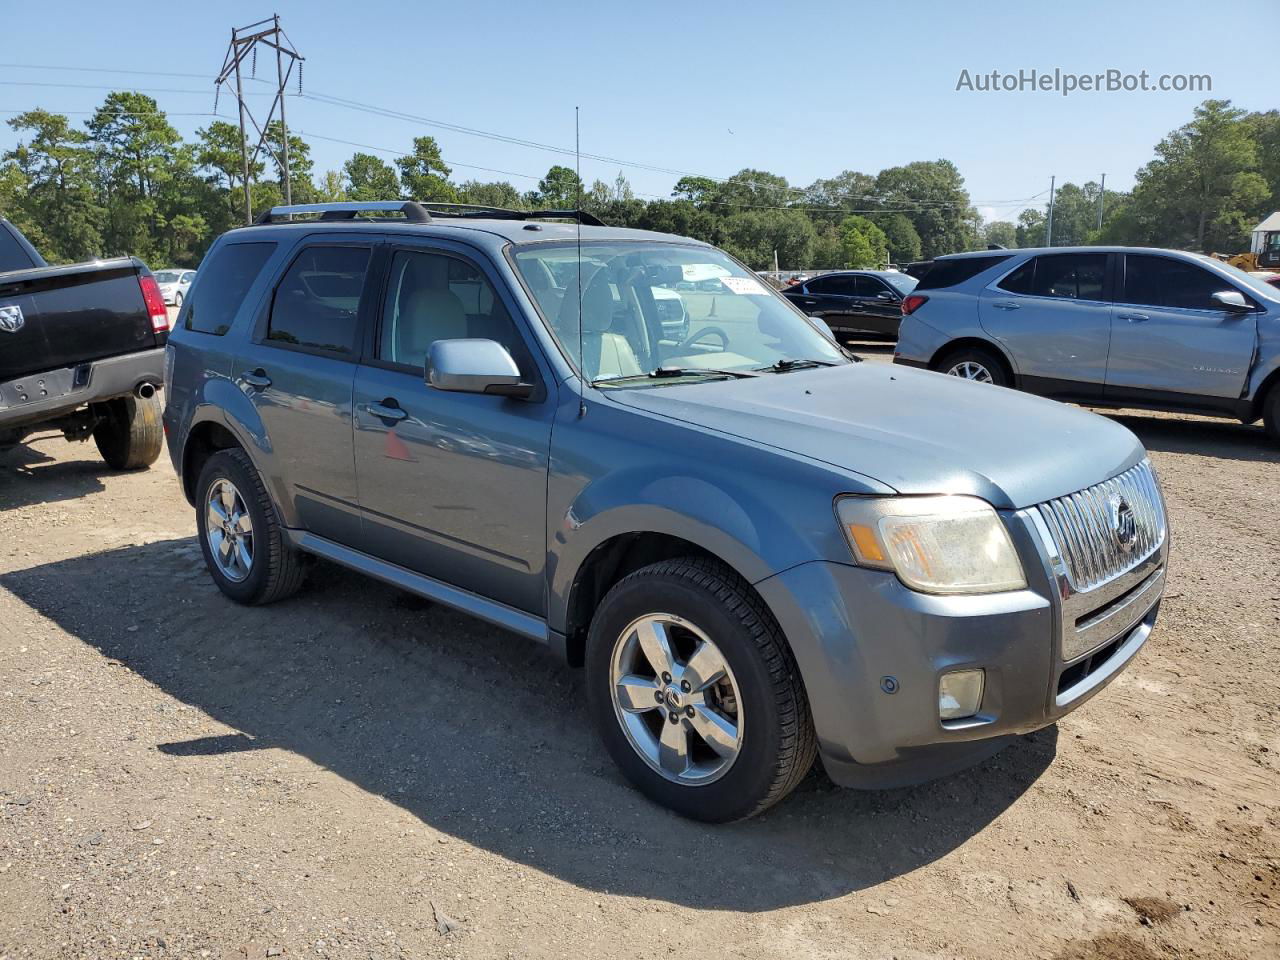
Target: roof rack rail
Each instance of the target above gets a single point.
(413, 211)
(480, 210)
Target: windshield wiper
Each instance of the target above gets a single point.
(665, 373)
(782, 366)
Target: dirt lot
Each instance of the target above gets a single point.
(353, 773)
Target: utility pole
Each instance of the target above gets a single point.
(244, 43)
(1102, 192)
(1048, 230)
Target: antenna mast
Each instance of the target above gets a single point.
(582, 358)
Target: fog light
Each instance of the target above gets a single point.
(960, 694)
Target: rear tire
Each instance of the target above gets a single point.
(748, 738)
(130, 435)
(1271, 413)
(271, 570)
(976, 364)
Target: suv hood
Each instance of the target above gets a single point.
(914, 431)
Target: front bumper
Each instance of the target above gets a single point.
(871, 652)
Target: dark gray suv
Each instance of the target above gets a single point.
(760, 549)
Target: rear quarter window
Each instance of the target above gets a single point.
(948, 273)
(213, 302)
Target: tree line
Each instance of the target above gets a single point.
(126, 182)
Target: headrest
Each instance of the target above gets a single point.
(597, 305)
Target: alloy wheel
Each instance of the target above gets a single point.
(229, 530)
(676, 699)
(971, 370)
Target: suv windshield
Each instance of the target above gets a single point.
(684, 310)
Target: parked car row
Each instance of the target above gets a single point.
(761, 549)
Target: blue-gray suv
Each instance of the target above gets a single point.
(759, 548)
(1106, 326)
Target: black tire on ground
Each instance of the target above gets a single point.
(1271, 413)
(987, 359)
(778, 741)
(130, 435)
(277, 570)
(177, 299)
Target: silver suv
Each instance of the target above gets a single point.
(760, 549)
(1107, 326)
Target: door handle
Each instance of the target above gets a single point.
(388, 409)
(258, 379)
(1006, 305)
(1135, 317)
(809, 303)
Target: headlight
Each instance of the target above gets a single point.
(933, 544)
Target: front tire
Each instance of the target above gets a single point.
(695, 692)
(129, 435)
(240, 533)
(1271, 413)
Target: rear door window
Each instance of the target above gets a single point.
(317, 302)
(1162, 282)
(840, 285)
(227, 276)
(1065, 276)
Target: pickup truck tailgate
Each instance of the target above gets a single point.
(72, 315)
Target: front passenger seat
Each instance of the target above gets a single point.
(428, 309)
(605, 354)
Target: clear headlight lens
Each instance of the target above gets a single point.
(934, 544)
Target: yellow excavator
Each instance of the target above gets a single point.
(1264, 248)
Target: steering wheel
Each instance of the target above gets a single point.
(706, 332)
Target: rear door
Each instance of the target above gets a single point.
(1169, 336)
(879, 306)
(298, 371)
(1053, 315)
(832, 298)
(452, 485)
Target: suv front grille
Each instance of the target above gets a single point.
(1085, 526)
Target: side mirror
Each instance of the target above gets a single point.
(1232, 300)
(475, 366)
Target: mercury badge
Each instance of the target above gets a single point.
(11, 320)
(1124, 525)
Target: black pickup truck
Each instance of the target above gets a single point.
(81, 352)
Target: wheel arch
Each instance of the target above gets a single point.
(980, 343)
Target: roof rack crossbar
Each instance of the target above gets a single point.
(413, 211)
(506, 213)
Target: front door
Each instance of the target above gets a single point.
(1169, 336)
(1053, 315)
(298, 373)
(452, 485)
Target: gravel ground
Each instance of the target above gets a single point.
(355, 773)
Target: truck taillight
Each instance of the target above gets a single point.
(913, 302)
(154, 300)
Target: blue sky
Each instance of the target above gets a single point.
(803, 90)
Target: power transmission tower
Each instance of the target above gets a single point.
(244, 45)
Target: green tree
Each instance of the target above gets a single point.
(370, 178)
(901, 237)
(558, 190)
(1001, 232)
(1204, 189)
(55, 168)
(218, 152)
(865, 244)
(932, 196)
(332, 187)
(424, 174)
(499, 194)
(302, 188)
(753, 236)
(694, 189)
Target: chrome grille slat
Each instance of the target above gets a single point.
(1080, 524)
